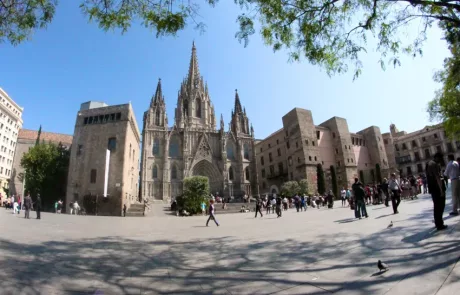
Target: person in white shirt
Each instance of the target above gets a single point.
(395, 188)
(343, 194)
(453, 172)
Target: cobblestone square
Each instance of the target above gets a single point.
(315, 252)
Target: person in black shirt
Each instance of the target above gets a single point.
(259, 207)
(437, 189)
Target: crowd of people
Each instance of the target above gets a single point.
(15, 203)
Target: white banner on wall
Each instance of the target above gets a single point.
(106, 176)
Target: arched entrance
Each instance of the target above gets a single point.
(274, 190)
(207, 169)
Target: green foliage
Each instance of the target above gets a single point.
(378, 173)
(196, 191)
(303, 187)
(335, 187)
(37, 141)
(7, 191)
(320, 179)
(290, 188)
(361, 176)
(46, 167)
(334, 34)
(445, 107)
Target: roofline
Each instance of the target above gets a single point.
(15, 104)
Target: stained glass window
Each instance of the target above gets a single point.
(156, 146)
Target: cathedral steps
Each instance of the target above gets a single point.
(135, 210)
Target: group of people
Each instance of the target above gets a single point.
(16, 204)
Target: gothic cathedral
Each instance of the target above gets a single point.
(193, 146)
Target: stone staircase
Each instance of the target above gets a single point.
(135, 210)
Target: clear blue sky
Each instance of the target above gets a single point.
(73, 61)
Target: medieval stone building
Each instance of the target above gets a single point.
(194, 145)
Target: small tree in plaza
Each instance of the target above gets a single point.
(290, 188)
(335, 189)
(321, 181)
(303, 187)
(196, 191)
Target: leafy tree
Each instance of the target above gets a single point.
(361, 176)
(46, 167)
(7, 191)
(378, 173)
(290, 188)
(335, 187)
(320, 179)
(196, 191)
(445, 107)
(303, 187)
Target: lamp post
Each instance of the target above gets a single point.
(23, 187)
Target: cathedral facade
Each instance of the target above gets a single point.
(194, 146)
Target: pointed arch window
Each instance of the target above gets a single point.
(157, 118)
(198, 108)
(174, 146)
(246, 151)
(246, 173)
(155, 172)
(156, 147)
(174, 172)
(230, 173)
(185, 108)
(230, 151)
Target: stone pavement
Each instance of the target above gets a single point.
(315, 252)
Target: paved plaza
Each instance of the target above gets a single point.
(315, 252)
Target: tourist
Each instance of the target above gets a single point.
(330, 199)
(343, 194)
(211, 213)
(203, 208)
(348, 196)
(55, 206)
(75, 208)
(359, 195)
(303, 202)
(267, 204)
(273, 203)
(278, 201)
(124, 210)
(27, 205)
(259, 207)
(437, 188)
(425, 184)
(15, 207)
(59, 206)
(384, 189)
(452, 172)
(38, 208)
(395, 188)
(285, 203)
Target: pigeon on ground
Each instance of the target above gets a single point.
(390, 225)
(382, 266)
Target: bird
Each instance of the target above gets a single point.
(382, 266)
(390, 225)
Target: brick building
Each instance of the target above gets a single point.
(99, 128)
(26, 140)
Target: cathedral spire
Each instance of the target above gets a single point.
(222, 126)
(158, 97)
(193, 72)
(237, 103)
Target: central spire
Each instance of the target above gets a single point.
(193, 72)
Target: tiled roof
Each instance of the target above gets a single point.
(46, 136)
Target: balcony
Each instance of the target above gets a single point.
(284, 173)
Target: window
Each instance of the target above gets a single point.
(156, 147)
(315, 159)
(118, 116)
(112, 145)
(352, 160)
(270, 159)
(93, 175)
(85, 121)
(246, 173)
(419, 168)
(435, 135)
(409, 170)
(439, 149)
(296, 144)
(318, 134)
(277, 141)
(287, 144)
(230, 173)
(414, 144)
(404, 146)
(90, 120)
(157, 117)
(129, 151)
(338, 164)
(378, 137)
(230, 153)
(174, 146)
(290, 161)
(298, 159)
(450, 148)
(348, 160)
(246, 151)
(260, 149)
(396, 147)
(198, 108)
(309, 158)
(155, 172)
(306, 141)
(353, 141)
(263, 173)
(345, 147)
(336, 151)
(79, 149)
(417, 156)
(313, 143)
(279, 152)
(272, 170)
(269, 145)
(280, 167)
(423, 139)
(174, 172)
(333, 135)
(262, 160)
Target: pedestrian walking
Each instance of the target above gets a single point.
(124, 210)
(259, 207)
(38, 206)
(360, 196)
(27, 205)
(437, 189)
(395, 188)
(211, 213)
(343, 194)
(452, 172)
